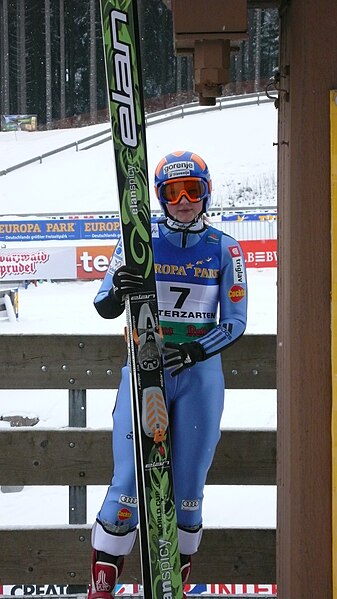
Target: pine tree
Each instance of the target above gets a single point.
(52, 65)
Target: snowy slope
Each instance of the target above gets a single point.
(236, 143)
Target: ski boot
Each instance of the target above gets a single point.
(105, 572)
(185, 569)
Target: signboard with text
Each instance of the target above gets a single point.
(59, 230)
(36, 263)
(260, 253)
(68, 229)
(18, 122)
(91, 262)
(135, 589)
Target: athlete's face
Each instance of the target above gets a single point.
(184, 211)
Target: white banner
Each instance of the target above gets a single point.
(252, 590)
(36, 264)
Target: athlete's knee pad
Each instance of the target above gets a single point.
(112, 543)
(189, 539)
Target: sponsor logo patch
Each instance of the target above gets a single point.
(127, 500)
(236, 293)
(238, 266)
(238, 270)
(180, 168)
(190, 504)
(155, 230)
(227, 328)
(213, 238)
(124, 514)
(234, 251)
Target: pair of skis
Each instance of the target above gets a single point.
(157, 515)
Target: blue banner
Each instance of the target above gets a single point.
(59, 230)
(86, 228)
(261, 216)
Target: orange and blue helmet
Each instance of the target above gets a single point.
(183, 173)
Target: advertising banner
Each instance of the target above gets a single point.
(262, 590)
(36, 264)
(40, 230)
(260, 253)
(59, 229)
(250, 216)
(105, 228)
(91, 262)
(18, 122)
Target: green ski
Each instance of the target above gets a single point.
(157, 515)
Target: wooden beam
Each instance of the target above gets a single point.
(61, 361)
(308, 68)
(69, 457)
(250, 3)
(95, 362)
(250, 363)
(62, 555)
(264, 3)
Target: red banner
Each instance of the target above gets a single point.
(260, 253)
(92, 261)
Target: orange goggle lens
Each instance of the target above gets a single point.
(193, 189)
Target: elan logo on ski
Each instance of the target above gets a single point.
(123, 95)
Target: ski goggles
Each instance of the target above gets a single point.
(193, 188)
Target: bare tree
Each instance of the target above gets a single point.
(4, 44)
(22, 77)
(48, 63)
(257, 59)
(62, 64)
(179, 74)
(93, 63)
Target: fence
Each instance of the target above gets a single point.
(61, 554)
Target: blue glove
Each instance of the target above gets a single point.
(126, 280)
(182, 355)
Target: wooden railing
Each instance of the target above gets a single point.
(68, 456)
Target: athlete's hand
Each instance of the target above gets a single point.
(182, 355)
(126, 280)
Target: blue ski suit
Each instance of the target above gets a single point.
(202, 296)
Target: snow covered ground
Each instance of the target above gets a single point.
(236, 143)
(238, 147)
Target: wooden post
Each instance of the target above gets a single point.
(333, 162)
(308, 72)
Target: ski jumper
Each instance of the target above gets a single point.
(202, 296)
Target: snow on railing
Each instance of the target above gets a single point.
(195, 108)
